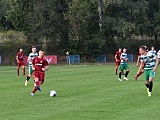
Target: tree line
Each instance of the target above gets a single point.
(85, 27)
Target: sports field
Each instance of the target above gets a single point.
(84, 92)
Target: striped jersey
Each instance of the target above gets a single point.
(158, 54)
(32, 56)
(123, 56)
(153, 52)
(149, 60)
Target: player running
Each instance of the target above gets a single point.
(118, 60)
(149, 62)
(31, 56)
(39, 65)
(124, 65)
(138, 62)
(20, 62)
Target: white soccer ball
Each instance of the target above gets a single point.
(52, 93)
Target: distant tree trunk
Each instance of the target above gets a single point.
(156, 40)
(100, 15)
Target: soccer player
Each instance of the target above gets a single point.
(153, 51)
(138, 61)
(20, 61)
(39, 65)
(31, 56)
(118, 60)
(149, 62)
(124, 65)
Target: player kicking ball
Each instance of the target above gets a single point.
(124, 65)
(39, 65)
(149, 62)
(31, 56)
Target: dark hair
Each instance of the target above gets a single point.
(143, 47)
(41, 50)
(33, 46)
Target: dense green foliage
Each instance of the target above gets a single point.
(83, 93)
(89, 27)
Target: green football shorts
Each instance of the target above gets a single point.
(149, 73)
(123, 67)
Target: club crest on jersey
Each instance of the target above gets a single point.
(41, 61)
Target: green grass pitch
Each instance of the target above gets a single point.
(84, 92)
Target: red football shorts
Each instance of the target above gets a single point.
(118, 63)
(19, 64)
(40, 76)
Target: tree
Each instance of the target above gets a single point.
(5, 24)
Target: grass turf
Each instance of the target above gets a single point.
(84, 92)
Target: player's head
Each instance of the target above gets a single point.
(120, 49)
(145, 47)
(152, 48)
(21, 50)
(124, 50)
(41, 53)
(67, 53)
(34, 49)
(142, 50)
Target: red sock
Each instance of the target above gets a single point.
(18, 72)
(34, 90)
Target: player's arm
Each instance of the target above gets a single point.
(115, 57)
(45, 68)
(17, 58)
(142, 63)
(157, 63)
(29, 58)
(125, 59)
(138, 59)
(33, 64)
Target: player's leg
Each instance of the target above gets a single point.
(116, 69)
(36, 84)
(138, 74)
(36, 87)
(121, 68)
(29, 75)
(40, 81)
(34, 90)
(42, 75)
(127, 71)
(151, 76)
(18, 67)
(23, 69)
(146, 73)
